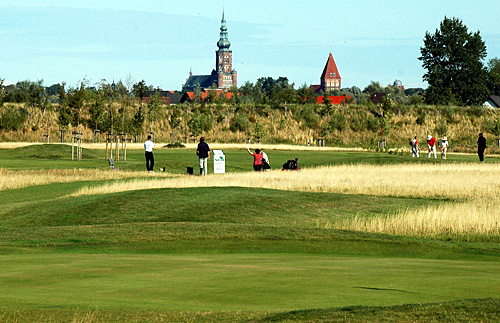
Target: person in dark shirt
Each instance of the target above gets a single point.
(203, 152)
(481, 146)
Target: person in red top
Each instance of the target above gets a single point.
(257, 159)
(431, 143)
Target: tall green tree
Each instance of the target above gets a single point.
(494, 76)
(373, 87)
(64, 118)
(154, 109)
(2, 91)
(140, 89)
(75, 100)
(453, 58)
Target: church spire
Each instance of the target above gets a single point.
(223, 42)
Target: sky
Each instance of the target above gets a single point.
(159, 41)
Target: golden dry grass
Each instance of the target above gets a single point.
(25, 178)
(443, 180)
(474, 217)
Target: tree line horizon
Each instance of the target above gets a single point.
(452, 56)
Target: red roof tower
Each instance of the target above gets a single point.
(330, 79)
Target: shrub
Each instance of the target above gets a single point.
(309, 117)
(338, 122)
(441, 129)
(372, 124)
(240, 123)
(12, 118)
(420, 119)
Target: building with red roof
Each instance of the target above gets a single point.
(330, 78)
(189, 96)
(335, 99)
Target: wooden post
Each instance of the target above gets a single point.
(117, 147)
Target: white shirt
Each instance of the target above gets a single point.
(149, 145)
(444, 143)
(264, 157)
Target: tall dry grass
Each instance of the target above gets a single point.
(470, 218)
(25, 178)
(463, 181)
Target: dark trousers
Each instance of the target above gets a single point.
(150, 160)
(480, 153)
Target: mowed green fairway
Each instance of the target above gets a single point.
(237, 282)
(228, 253)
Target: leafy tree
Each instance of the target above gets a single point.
(356, 94)
(259, 131)
(212, 94)
(306, 94)
(373, 87)
(453, 58)
(198, 94)
(195, 124)
(64, 118)
(75, 100)
(494, 76)
(154, 109)
(97, 111)
(138, 121)
(386, 104)
(12, 118)
(53, 89)
(495, 130)
(140, 89)
(2, 91)
(327, 107)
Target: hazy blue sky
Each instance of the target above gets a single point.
(160, 40)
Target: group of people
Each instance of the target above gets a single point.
(443, 146)
(261, 160)
(431, 145)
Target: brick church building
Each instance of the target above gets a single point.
(223, 76)
(330, 78)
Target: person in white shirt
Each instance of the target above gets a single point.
(414, 147)
(265, 161)
(443, 144)
(149, 146)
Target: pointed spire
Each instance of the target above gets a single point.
(223, 42)
(330, 70)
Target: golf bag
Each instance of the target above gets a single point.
(291, 164)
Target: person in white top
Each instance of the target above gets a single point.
(265, 161)
(149, 146)
(414, 147)
(443, 144)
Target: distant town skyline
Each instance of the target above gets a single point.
(160, 41)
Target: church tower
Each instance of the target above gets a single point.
(330, 79)
(226, 75)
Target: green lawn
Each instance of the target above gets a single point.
(50, 156)
(227, 254)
